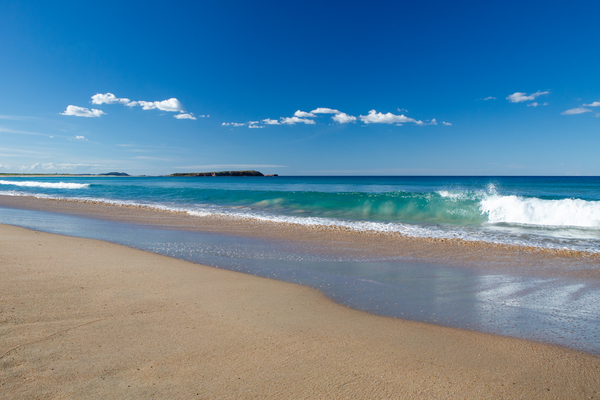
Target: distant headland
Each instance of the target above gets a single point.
(223, 173)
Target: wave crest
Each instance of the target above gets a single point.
(534, 211)
(48, 185)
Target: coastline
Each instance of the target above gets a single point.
(89, 318)
(534, 261)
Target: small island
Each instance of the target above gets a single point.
(223, 173)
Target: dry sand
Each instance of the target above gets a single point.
(88, 319)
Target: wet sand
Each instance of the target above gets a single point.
(88, 319)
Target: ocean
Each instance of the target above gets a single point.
(547, 212)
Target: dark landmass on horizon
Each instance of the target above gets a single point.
(223, 173)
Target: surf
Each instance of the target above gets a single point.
(48, 185)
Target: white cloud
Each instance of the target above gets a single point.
(446, 123)
(322, 110)
(271, 121)
(519, 97)
(379, 118)
(488, 98)
(253, 125)
(343, 118)
(171, 105)
(304, 114)
(594, 104)
(80, 137)
(303, 117)
(108, 98)
(82, 112)
(296, 120)
(574, 111)
(185, 116)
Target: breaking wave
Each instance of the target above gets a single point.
(47, 185)
(534, 211)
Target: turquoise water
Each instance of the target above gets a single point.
(551, 212)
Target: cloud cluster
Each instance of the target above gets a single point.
(271, 121)
(303, 114)
(375, 117)
(322, 110)
(82, 112)
(296, 120)
(169, 105)
(582, 109)
(519, 97)
(339, 117)
(343, 118)
(186, 116)
(575, 111)
(108, 98)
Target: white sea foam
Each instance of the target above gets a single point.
(48, 185)
(455, 196)
(533, 211)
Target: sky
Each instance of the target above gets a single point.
(300, 88)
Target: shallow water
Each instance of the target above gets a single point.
(561, 311)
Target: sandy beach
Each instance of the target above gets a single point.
(88, 319)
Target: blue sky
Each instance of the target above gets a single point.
(309, 88)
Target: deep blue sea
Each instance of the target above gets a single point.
(550, 212)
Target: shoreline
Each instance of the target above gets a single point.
(118, 322)
(473, 254)
(4, 199)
